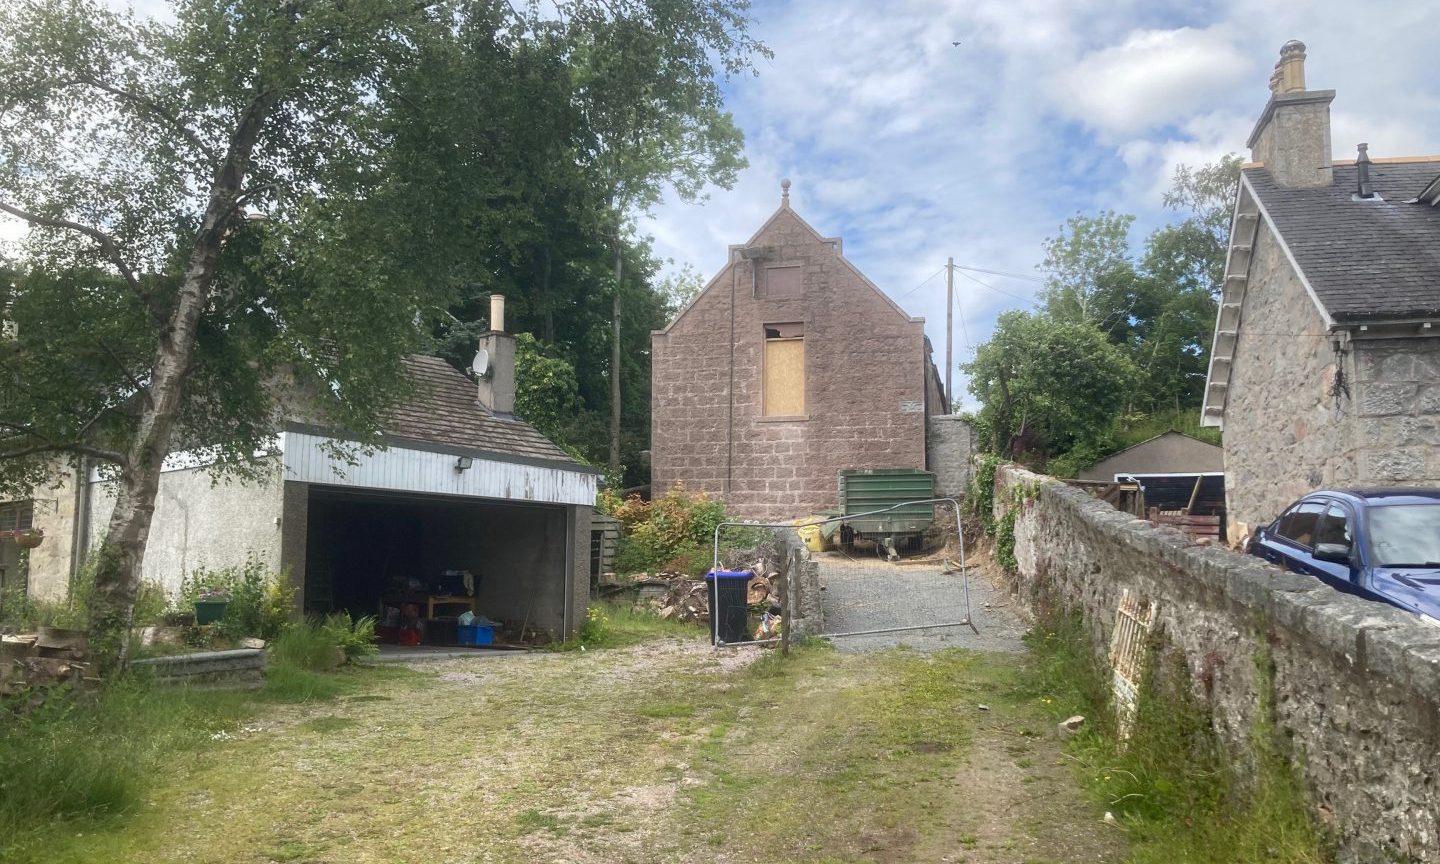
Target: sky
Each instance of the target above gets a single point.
(914, 149)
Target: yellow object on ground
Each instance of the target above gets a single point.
(810, 534)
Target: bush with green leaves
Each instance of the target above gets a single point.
(319, 644)
(261, 601)
(21, 611)
(676, 533)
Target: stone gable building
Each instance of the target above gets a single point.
(1325, 367)
(788, 367)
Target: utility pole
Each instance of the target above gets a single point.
(949, 329)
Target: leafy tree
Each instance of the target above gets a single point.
(1160, 307)
(258, 205)
(649, 131)
(1047, 386)
(1088, 269)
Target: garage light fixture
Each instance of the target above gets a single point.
(463, 463)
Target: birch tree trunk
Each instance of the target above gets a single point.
(122, 553)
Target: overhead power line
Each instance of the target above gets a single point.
(1000, 273)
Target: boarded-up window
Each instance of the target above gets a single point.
(783, 282)
(784, 391)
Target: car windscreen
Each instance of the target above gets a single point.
(1405, 535)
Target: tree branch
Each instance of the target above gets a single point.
(107, 247)
(154, 108)
(46, 445)
(124, 370)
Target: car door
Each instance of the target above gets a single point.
(1289, 541)
(1336, 525)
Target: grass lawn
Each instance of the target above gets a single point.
(658, 751)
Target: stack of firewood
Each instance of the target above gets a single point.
(38, 660)
(688, 599)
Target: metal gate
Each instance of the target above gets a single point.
(863, 576)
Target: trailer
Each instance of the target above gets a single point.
(894, 491)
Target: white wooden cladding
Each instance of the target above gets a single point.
(404, 470)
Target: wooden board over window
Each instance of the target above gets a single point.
(784, 385)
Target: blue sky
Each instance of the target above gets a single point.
(914, 149)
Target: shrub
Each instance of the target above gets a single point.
(261, 601)
(673, 532)
(318, 644)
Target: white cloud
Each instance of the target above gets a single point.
(1153, 78)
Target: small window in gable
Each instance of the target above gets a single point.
(784, 282)
(784, 384)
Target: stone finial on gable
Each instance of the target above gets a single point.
(785, 192)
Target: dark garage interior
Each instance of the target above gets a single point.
(402, 558)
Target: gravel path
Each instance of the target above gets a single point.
(870, 594)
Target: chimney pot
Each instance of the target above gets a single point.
(1292, 137)
(497, 313)
(1291, 67)
(1362, 173)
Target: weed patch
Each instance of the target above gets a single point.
(614, 625)
(1172, 787)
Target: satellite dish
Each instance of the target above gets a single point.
(481, 364)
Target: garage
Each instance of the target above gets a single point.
(467, 517)
(420, 562)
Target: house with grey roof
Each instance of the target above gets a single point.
(1325, 366)
(461, 485)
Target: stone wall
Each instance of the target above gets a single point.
(1286, 434)
(1356, 684)
(865, 388)
(1291, 429)
(1397, 393)
(51, 563)
(949, 443)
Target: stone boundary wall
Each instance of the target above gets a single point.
(1356, 684)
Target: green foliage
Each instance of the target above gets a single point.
(261, 603)
(1046, 385)
(403, 159)
(89, 755)
(1157, 310)
(1171, 785)
(613, 625)
(1005, 541)
(546, 391)
(21, 612)
(675, 531)
(321, 644)
(981, 499)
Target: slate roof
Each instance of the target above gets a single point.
(1365, 260)
(444, 410)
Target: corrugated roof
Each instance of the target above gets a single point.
(444, 410)
(1365, 260)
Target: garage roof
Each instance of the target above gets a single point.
(444, 410)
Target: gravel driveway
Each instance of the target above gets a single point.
(870, 594)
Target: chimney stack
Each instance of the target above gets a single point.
(497, 384)
(1292, 139)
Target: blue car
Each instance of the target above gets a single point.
(1380, 544)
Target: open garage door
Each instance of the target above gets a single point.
(408, 558)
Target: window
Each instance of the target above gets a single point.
(1334, 527)
(1405, 535)
(784, 282)
(14, 516)
(1298, 524)
(784, 381)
